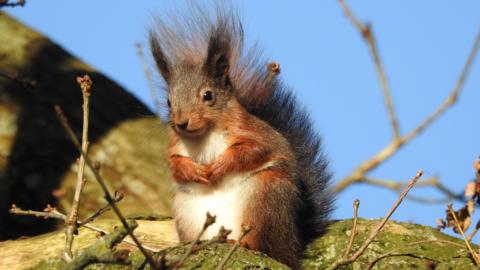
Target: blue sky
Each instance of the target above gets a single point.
(423, 45)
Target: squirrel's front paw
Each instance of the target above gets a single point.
(215, 178)
(201, 176)
(186, 170)
(215, 173)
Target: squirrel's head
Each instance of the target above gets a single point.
(198, 90)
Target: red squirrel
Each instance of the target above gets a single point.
(240, 146)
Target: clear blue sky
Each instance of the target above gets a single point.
(423, 45)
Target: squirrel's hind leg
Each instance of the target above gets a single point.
(272, 215)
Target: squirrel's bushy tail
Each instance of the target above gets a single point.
(186, 38)
(282, 111)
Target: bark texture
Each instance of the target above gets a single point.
(161, 234)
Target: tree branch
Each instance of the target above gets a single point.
(52, 212)
(103, 250)
(103, 185)
(118, 197)
(379, 227)
(358, 175)
(367, 34)
(430, 182)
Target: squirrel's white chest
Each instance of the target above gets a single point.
(227, 200)
(206, 150)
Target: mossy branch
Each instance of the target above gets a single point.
(103, 251)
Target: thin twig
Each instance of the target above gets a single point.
(52, 212)
(25, 83)
(475, 256)
(209, 220)
(118, 197)
(71, 223)
(130, 242)
(148, 75)
(453, 97)
(48, 212)
(380, 225)
(221, 237)
(245, 231)
(430, 182)
(103, 185)
(367, 34)
(388, 151)
(356, 204)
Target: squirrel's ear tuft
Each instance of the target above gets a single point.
(160, 58)
(217, 64)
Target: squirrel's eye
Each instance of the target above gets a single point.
(168, 103)
(207, 96)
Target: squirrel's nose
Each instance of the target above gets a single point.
(182, 125)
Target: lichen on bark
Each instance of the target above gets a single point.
(394, 236)
(43, 251)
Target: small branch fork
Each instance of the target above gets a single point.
(379, 227)
(110, 199)
(208, 222)
(118, 197)
(245, 230)
(52, 212)
(359, 174)
(221, 238)
(103, 250)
